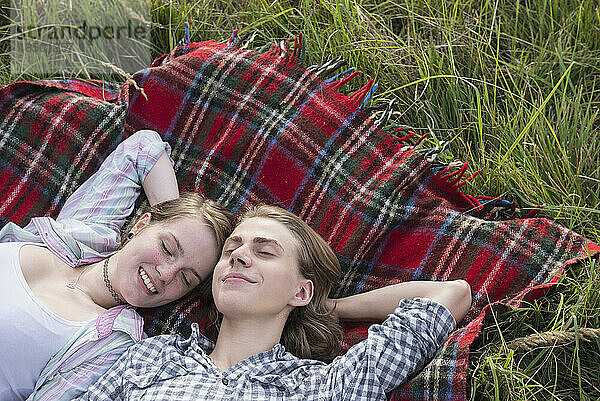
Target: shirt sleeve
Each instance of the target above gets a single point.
(89, 224)
(393, 351)
(110, 386)
(73, 382)
(142, 369)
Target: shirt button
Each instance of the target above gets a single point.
(281, 388)
(225, 381)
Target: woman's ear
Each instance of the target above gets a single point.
(142, 222)
(304, 293)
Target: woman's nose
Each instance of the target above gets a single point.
(167, 271)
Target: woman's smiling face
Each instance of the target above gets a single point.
(257, 273)
(164, 261)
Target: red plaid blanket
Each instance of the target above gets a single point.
(248, 126)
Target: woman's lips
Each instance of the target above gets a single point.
(146, 282)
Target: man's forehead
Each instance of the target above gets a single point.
(260, 229)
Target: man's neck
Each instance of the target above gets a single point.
(240, 339)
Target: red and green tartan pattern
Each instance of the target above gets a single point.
(249, 127)
(51, 141)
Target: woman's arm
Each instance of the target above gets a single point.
(161, 184)
(89, 224)
(69, 383)
(109, 387)
(376, 305)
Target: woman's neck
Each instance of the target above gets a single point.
(239, 339)
(92, 283)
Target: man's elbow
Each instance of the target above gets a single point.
(461, 297)
(456, 297)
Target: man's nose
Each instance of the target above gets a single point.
(241, 256)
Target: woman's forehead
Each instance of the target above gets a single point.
(192, 233)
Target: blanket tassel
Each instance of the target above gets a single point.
(388, 111)
(363, 94)
(347, 77)
(406, 137)
(233, 39)
(327, 68)
(296, 55)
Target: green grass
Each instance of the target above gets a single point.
(514, 87)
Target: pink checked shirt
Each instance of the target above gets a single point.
(86, 230)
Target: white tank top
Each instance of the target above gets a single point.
(30, 333)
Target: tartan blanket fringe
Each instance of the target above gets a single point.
(479, 205)
(251, 126)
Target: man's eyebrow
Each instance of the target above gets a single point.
(262, 240)
(259, 240)
(179, 248)
(235, 238)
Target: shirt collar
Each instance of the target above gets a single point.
(198, 341)
(267, 360)
(120, 318)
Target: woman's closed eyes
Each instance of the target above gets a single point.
(165, 249)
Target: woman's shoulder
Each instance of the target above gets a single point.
(35, 261)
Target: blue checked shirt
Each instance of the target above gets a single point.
(171, 368)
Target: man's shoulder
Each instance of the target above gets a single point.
(160, 341)
(175, 343)
(152, 350)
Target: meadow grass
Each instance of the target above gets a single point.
(512, 87)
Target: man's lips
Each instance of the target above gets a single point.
(238, 277)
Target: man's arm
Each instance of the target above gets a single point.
(377, 304)
(392, 352)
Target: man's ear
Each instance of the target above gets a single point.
(142, 222)
(304, 293)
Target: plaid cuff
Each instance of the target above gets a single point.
(433, 315)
